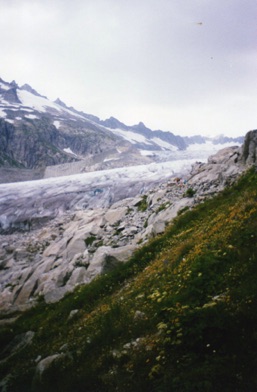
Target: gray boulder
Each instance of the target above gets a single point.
(106, 258)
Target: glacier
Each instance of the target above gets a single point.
(26, 204)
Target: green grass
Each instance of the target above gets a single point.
(179, 316)
(89, 240)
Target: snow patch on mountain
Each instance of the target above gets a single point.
(111, 159)
(147, 153)
(2, 113)
(69, 151)
(57, 124)
(3, 86)
(130, 136)
(35, 102)
(31, 116)
(163, 144)
(42, 104)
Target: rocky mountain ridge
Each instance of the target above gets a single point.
(50, 259)
(36, 133)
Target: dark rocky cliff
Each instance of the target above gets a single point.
(249, 148)
(29, 146)
(35, 132)
(38, 143)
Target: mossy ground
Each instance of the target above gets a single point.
(179, 316)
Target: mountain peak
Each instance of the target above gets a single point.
(113, 123)
(61, 103)
(9, 92)
(141, 125)
(28, 88)
(14, 84)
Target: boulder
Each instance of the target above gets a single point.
(45, 363)
(156, 197)
(114, 216)
(79, 276)
(106, 258)
(75, 246)
(56, 248)
(56, 294)
(73, 313)
(158, 228)
(26, 291)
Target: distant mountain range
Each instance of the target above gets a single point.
(36, 132)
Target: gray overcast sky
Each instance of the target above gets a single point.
(186, 66)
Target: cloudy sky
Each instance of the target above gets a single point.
(186, 66)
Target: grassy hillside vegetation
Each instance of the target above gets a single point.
(180, 316)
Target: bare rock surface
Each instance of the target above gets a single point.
(48, 260)
(76, 246)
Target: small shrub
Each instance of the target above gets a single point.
(89, 240)
(81, 263)
(190, 192)
(142, 204)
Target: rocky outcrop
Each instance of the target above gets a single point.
(249, 149)
(224, 167)
(11, 95)
(36, 142)
(220, 170)
(30, 145)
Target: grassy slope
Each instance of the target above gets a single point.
(180, 316)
